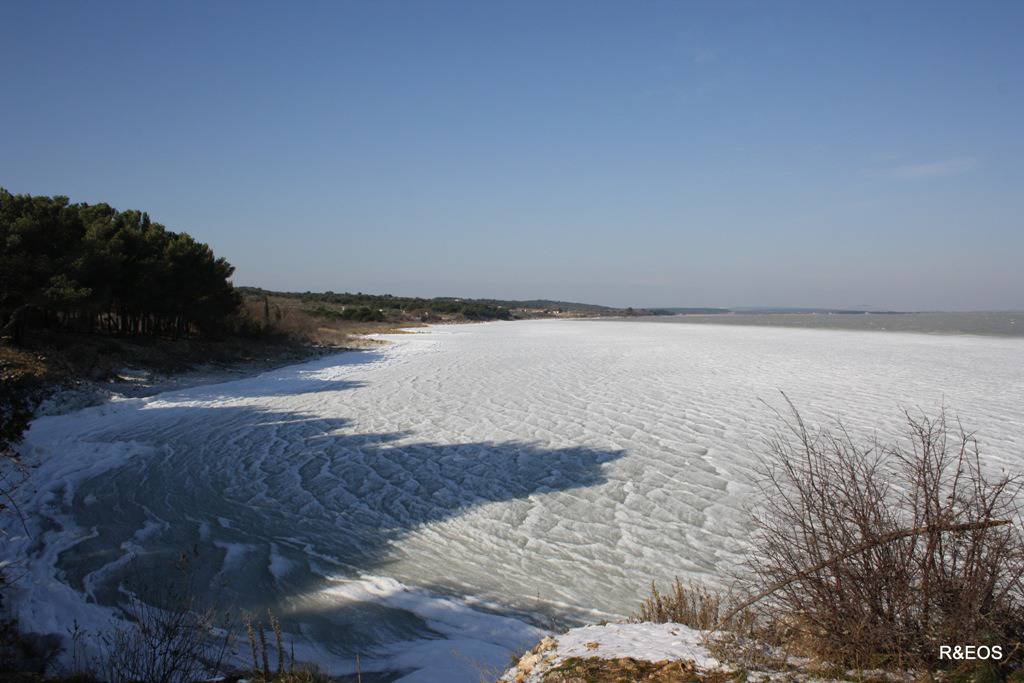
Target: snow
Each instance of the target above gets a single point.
(645, 641)
(472, 642)
(650, 642)
(429, 505)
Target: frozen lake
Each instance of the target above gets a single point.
(411, 504)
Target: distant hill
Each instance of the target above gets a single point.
(397, 307)
(687, 310)
(753, 310)
(561, 305)
(829, 311)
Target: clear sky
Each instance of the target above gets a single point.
(626, 153)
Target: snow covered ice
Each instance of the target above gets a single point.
(435, 504)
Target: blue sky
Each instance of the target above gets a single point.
(627, 153)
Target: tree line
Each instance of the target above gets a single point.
(371, 307)
(92, 268)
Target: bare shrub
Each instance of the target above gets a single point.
(873, 555)
(294, 323)
(163, 645)
(175, 641)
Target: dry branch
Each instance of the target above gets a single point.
(856, 550)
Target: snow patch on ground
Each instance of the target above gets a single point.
(650, 642)
(646, 642)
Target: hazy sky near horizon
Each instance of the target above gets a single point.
(649, 154)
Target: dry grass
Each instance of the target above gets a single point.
(692, 604)
(264, 652)
(731, 633)
(302, 674)
(630, 670)
(291, 318)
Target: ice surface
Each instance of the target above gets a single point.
(412, 504)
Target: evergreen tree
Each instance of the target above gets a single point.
(92, 268)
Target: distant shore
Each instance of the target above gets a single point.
(988, 324)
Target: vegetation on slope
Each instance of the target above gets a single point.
(86, 289)
(360, 306)
(92, 268)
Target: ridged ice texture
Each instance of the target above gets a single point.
(546, 467)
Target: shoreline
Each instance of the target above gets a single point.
(54, 382)
(998, 325)
(143, 383)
